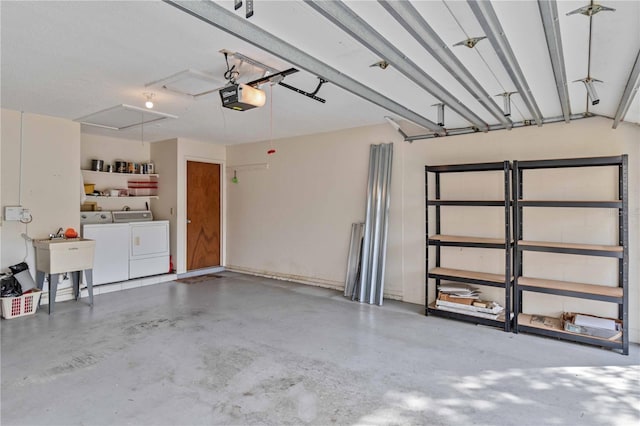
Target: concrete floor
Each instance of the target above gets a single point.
(241, 350)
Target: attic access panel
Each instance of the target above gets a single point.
(190, 82)
(122, 117)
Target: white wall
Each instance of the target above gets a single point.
(111, 149)
(50, 173)
(293, 219)
(164, 155)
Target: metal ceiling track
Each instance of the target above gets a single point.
(343, 17)
(279, 76)
(227, 21)
(551, 25)
(275, 77)
(486, 16)
(407, 16)
(525, 123)
(630, 92)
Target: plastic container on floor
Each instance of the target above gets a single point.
(27, 304)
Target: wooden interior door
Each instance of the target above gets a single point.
(203, 215)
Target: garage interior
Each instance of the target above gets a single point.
(511, 134)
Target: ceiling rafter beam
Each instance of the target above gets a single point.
(412, 21)
(227, 21)
(551, 25)
(486, 16)
(630, 92)
(346, 19)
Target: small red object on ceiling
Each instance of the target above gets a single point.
(271, 151)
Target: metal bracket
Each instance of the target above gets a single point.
(311, 95)
(507, 102)
(382, 64)
(237, 4)
(591, 10)
(470, 42)
(249, 13)
(440, 113)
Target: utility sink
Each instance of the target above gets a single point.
(58, 255)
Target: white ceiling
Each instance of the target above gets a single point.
(70, 59)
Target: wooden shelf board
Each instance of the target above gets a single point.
(556, 326)
(470, 202)
(104, 197)
(120, 174)
(473, 275)
(571, 286)
(571, 246)
(461, 239)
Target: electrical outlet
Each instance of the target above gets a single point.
(12, 212)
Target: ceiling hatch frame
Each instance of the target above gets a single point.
(122, 117)
(172, 83)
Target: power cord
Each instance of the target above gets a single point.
(26, 238)
(231, 74)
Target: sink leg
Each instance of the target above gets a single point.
(75, 280)
(53, 289)
(39, 282)
(88, 273)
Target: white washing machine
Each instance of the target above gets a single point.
(111, 258)
(148, 244)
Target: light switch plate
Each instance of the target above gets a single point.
(12, 213)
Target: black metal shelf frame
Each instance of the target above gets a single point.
(467, 203)
(465, 244)
(505, 167)
(567, 250)
(455, 278)
(621, 162)
(571, 293)
(566, 203)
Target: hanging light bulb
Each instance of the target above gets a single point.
(149, 103)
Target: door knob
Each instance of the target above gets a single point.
(188, 221)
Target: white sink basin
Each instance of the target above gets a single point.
(64, 255)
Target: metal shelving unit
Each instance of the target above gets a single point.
(438, 240)
(608, 294)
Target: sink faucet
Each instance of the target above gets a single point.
(58, 234)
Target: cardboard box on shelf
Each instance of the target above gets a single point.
(613, 332)
(89, 206)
